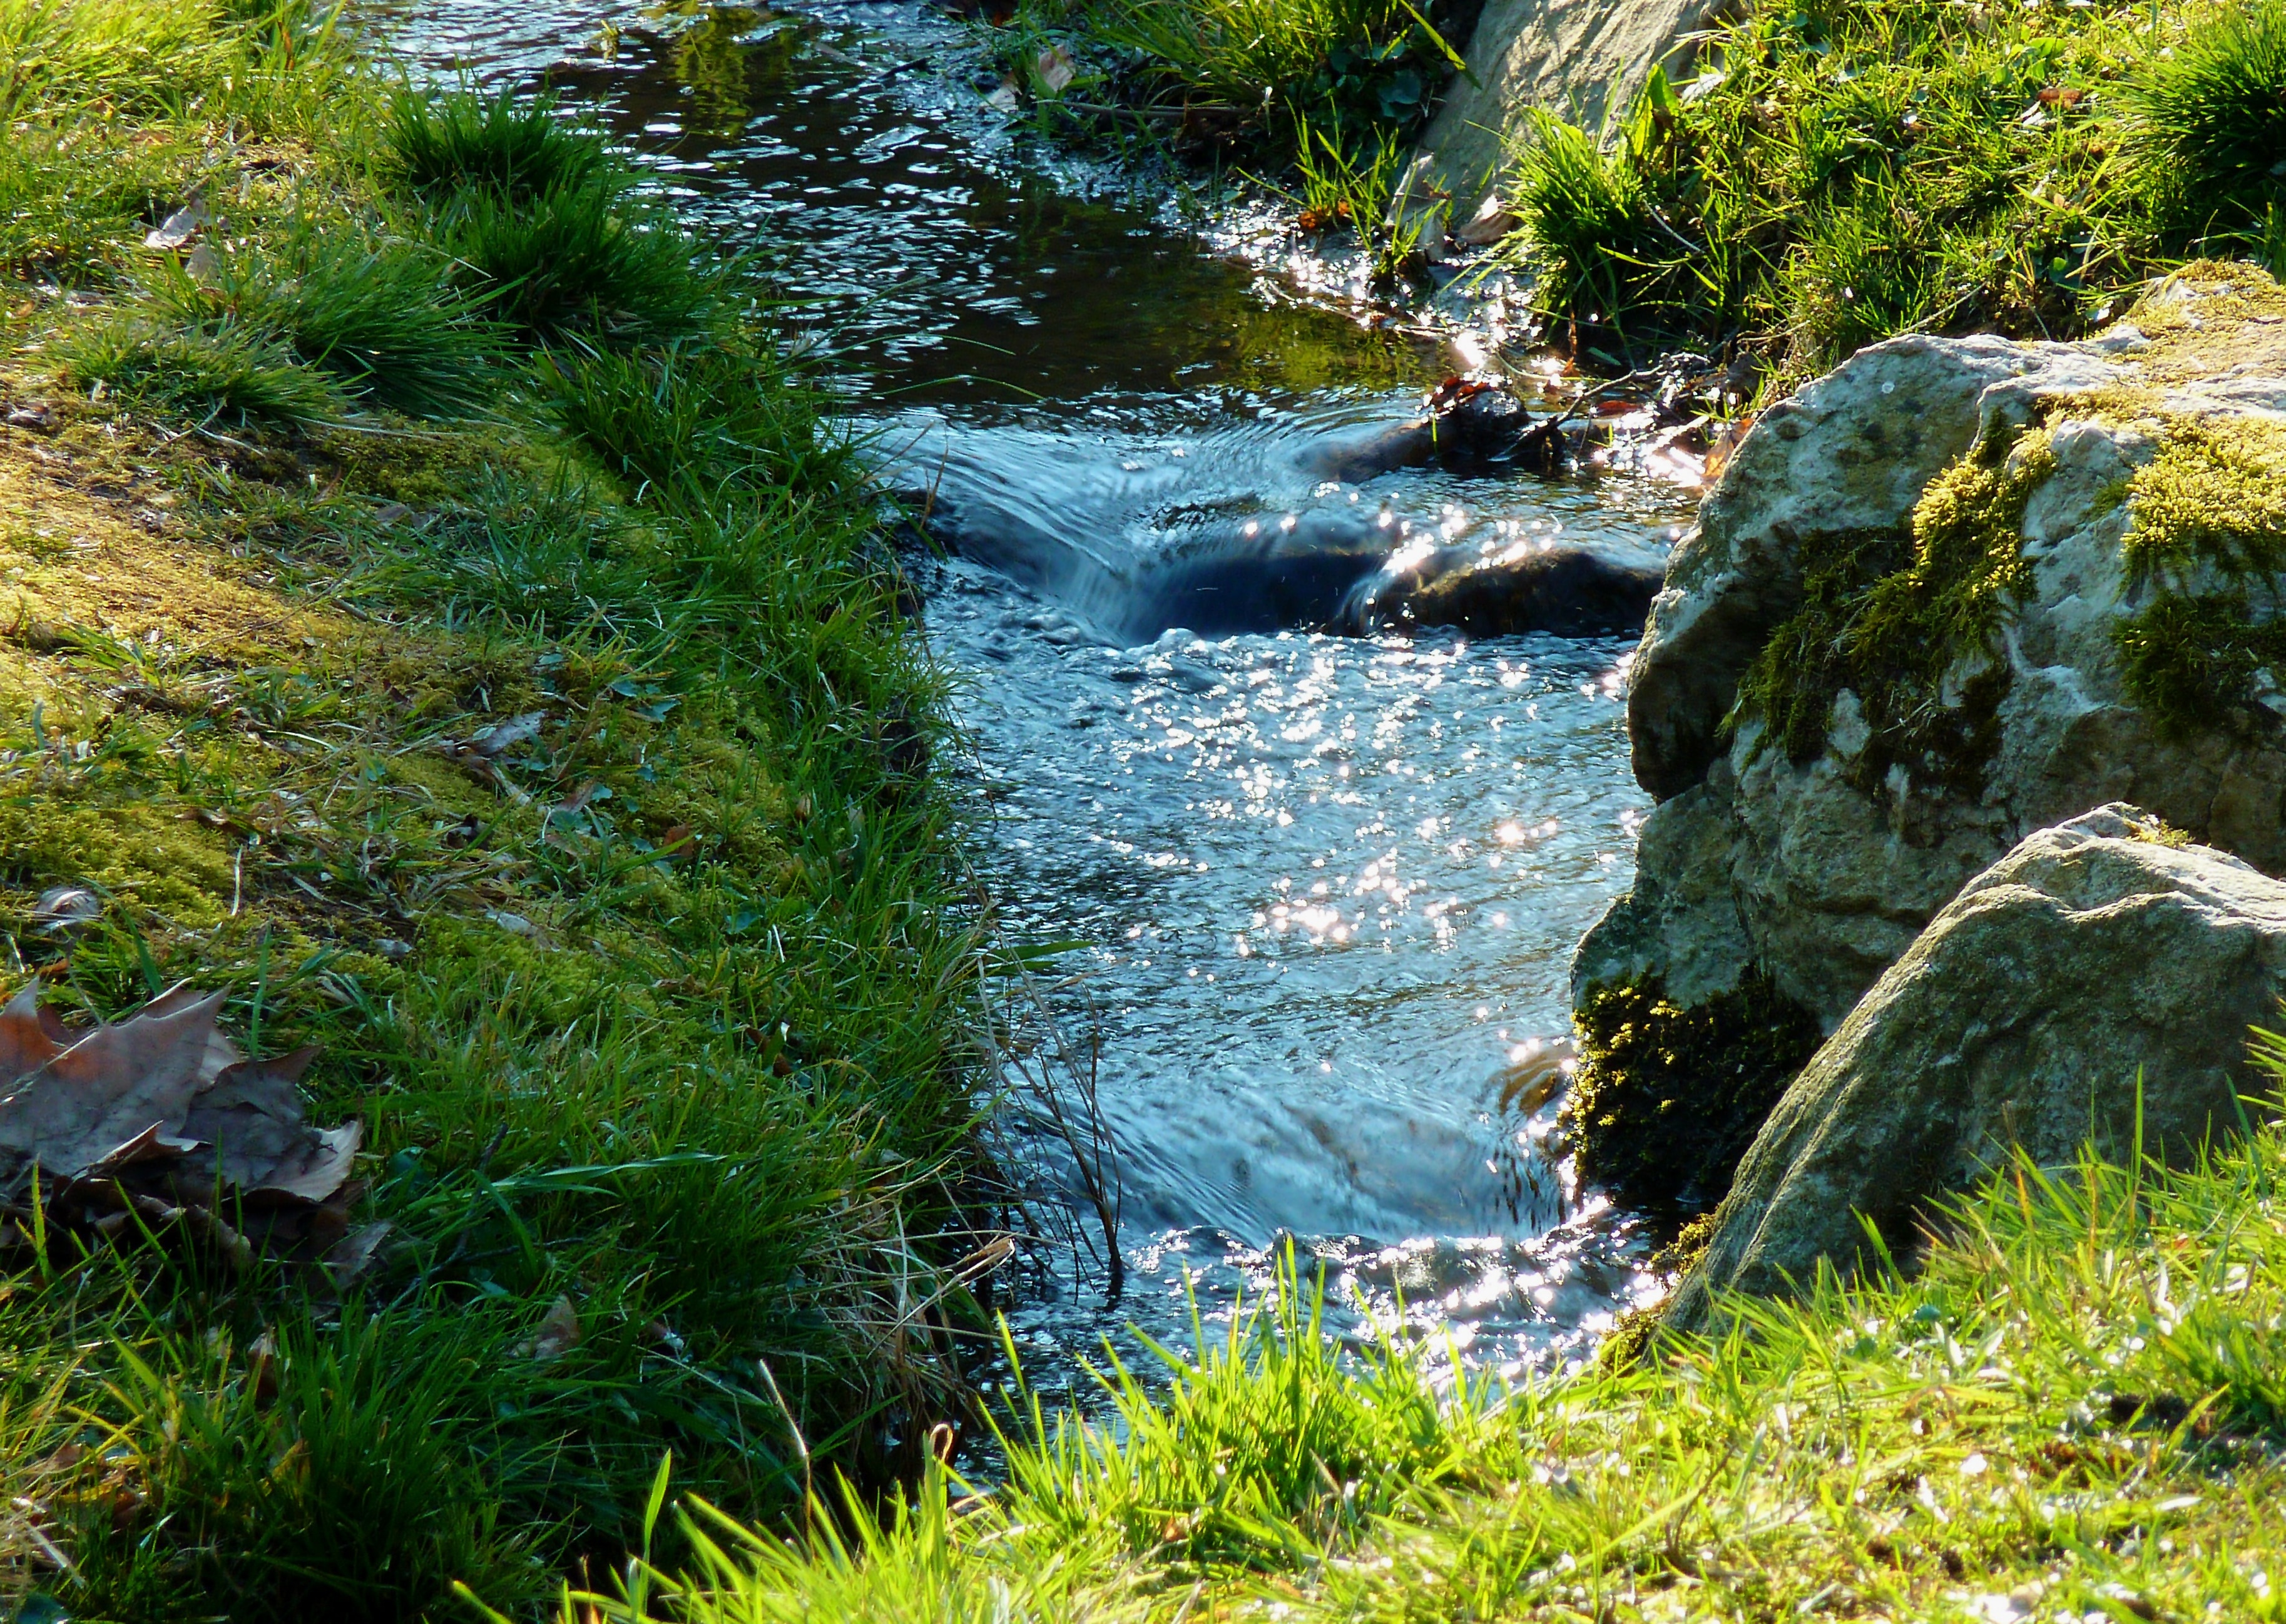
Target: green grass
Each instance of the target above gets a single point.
(2208, 123)
(376, 311)
(587, 259)
(1840, 171)
(2072, 1402)
(661, 1020)
(516, 145)
(215, 372)
(1349, 64)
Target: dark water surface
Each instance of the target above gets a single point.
(1328, 887)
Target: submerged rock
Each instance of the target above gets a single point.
(1471, 428)
(2097, 983)
(1568, 590)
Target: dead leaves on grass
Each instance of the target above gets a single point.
(159, 1119)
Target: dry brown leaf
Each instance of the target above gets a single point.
(80, 1105)
(252, 1118)
(558, 1334)
(578, 799)
(262, 1370)
(158, 1119)
(354, 1253)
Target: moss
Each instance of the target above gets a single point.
(1898, 617)
(2207, 540)
(2158, 832)
(1666, 1099)
(156, 858)
(1636, 1330)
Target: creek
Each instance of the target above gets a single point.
(1324, 890)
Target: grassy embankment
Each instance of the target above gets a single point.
(1837, 171)
(432, 612)
(2074, 1412)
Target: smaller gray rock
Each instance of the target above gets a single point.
(2092, 972)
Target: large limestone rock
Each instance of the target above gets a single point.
(2089, 956)
(1585, 59)
(1821, 869)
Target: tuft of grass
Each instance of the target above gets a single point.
(379, 314)
(1354, 186)
(1586, 219)
(321, 1472)
(2070, 1404)
(1268, 1440)
(1259, 74)
(1840, 171)
(516, 145)
(69, 201)
(2208, 117)
(271, 67)
(211, 372)
(587, 258)
(692, 421)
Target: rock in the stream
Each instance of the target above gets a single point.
(1571, 591)
(2095, 971)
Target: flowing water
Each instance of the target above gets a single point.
(1324, 890)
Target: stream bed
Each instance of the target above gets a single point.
(1324, 890)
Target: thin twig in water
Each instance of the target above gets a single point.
(1051, 1082)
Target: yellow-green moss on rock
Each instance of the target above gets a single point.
(1666, 1099)
(1891, 616)
(2207, 540)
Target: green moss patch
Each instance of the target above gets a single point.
(2207, 540)
(1666, 1099)
(1905, 621)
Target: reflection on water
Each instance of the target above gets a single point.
(1329, 887)
(934, 262)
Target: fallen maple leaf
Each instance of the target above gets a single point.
(159, 1119)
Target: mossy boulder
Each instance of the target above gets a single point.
(2097, 983)
(1954, 592)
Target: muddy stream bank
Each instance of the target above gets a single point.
(1325, 889)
